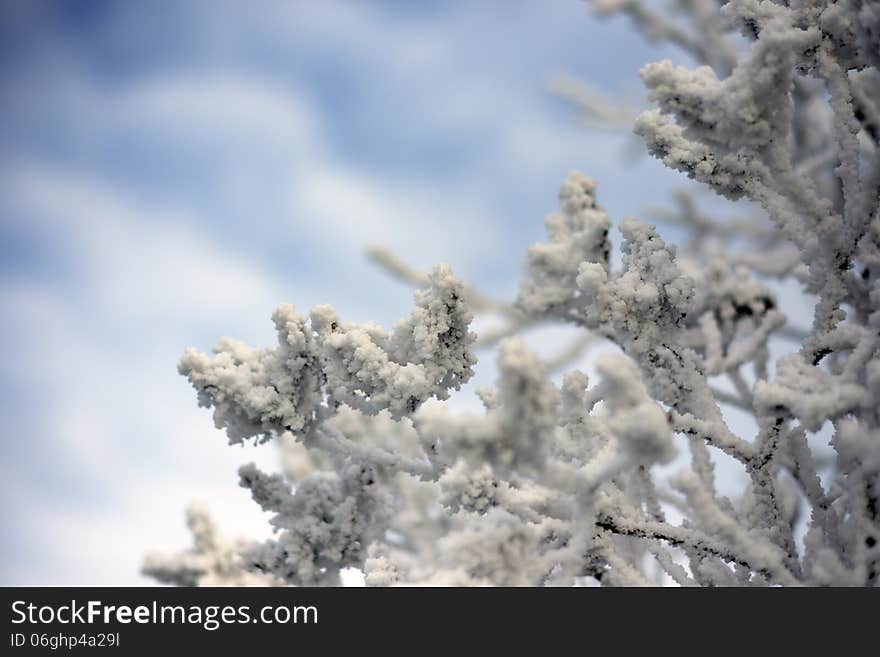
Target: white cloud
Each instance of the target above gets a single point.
(346, 208)
(229, 107)
(135, 259)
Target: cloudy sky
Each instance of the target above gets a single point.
(170, 172)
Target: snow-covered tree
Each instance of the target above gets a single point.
(568, 483)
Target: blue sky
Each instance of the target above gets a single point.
(170, 172)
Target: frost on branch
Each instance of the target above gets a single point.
(514, 435)
(323, 526)
(579, 234)
(808, 393)
(611, 478)
(519, 482)
(212, 561)
(320, 363)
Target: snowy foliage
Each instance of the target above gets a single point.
(568, 481)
